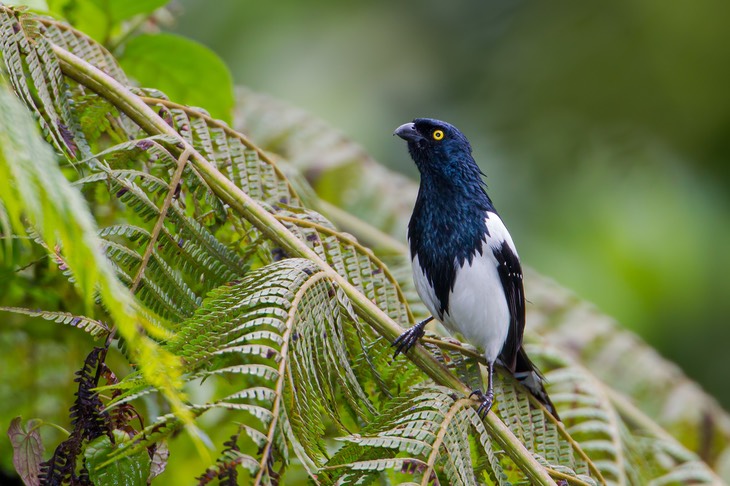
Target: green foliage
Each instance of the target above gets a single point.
(128, 471)
(32, 185)
(617, 357)
(119, 10)
(613, 118)
(92, 326)
(231, 290)
(185, 70)
(101, 19)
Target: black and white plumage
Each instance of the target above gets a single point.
(465, 265)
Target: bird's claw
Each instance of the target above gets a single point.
(407, 340)
(486, 400)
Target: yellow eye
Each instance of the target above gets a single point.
(438, 134)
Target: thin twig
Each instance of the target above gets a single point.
(283, 363)
(371, 235)
(443, 428)
(181, 162)
(362, 249)
(263, 156)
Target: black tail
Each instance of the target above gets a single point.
(528, 374)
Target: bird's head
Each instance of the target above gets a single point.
(439, 149)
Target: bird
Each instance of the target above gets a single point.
(466, 269)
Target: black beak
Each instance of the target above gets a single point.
(408, 132)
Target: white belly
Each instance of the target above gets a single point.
(477, 305)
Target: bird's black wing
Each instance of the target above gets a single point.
(510, 273)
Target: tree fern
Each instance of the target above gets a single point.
(338, 168)
(655, 385)
(288, 317)
(559, 317)
(270, 329)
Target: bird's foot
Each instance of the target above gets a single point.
(486, 400)
(408, 339)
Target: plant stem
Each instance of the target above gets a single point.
(110, 89)
(370, 235)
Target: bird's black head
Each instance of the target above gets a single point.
(439, 150)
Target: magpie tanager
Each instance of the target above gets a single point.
(465, 265)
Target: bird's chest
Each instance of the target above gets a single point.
(472, 303)
(444, 243)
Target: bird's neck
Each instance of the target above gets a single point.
(448, 219)
(439, 194)
(450, 176)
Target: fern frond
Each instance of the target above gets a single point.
(299, 348)
(161, 288)
(350, 259)
(24, 49)
(591, 438)
(658, 387)
(94, 327)
(423, 434)
(245, 164)
(607, 440)
(672, 464)
(137, 188)
(187, 255)
(278, 325)
(191, 248)
(82, 46)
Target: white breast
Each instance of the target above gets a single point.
(477, 305)
(425, 291)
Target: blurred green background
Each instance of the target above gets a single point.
(603, 129)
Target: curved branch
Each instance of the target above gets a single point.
(263, 156)
(355, 244)
(134, 107)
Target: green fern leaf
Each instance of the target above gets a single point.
(83, 46)
(246, 165)
(92, 326)
(24, 49)
(295, 341)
